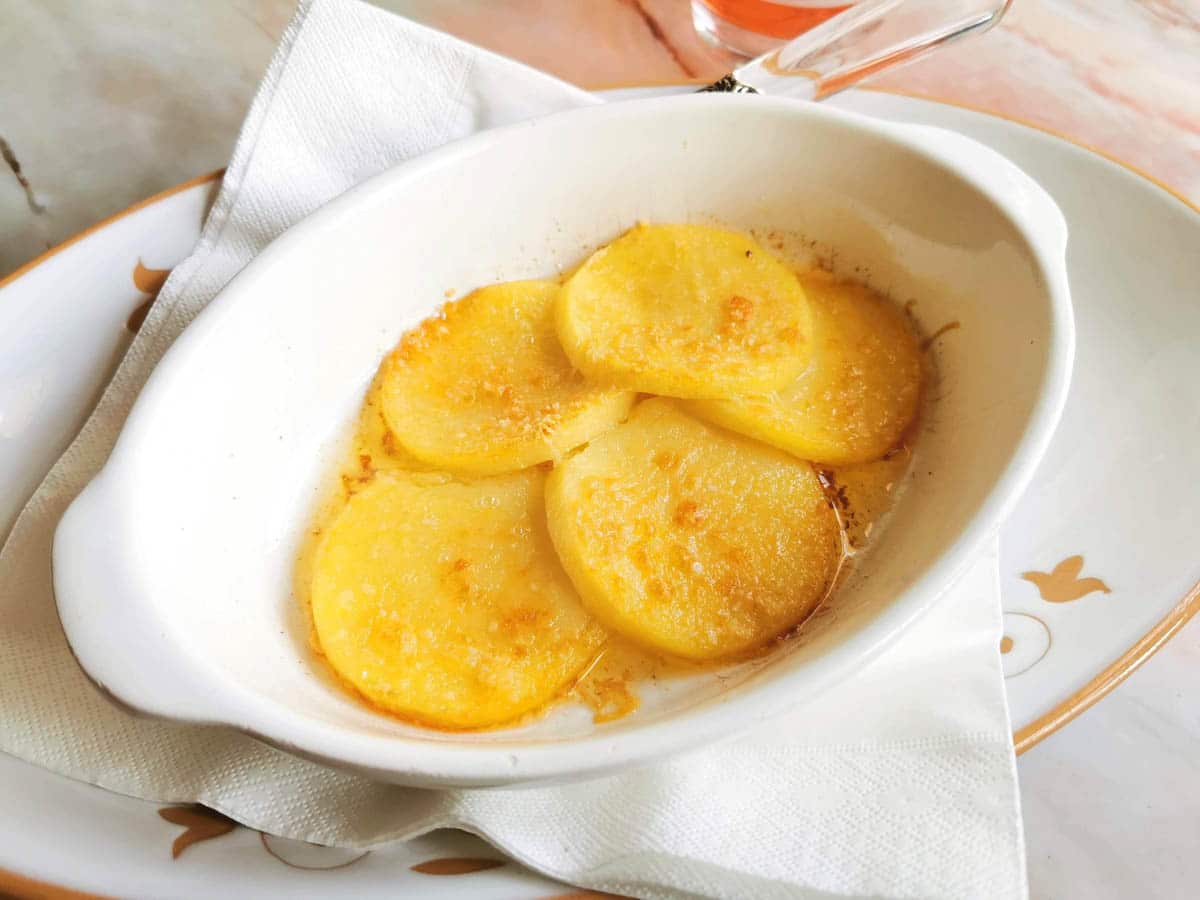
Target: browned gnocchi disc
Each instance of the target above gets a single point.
(444, 602)
(690, 539)
(685, 311)
(857, 395)
(486, 388)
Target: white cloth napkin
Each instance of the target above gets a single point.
(899, 783)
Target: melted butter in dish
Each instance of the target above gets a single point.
(472, 586)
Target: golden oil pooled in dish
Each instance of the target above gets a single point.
(442, 601)
(685, 311)
(485, 388)
(858, 393)
(610, 684)
(375, 448)
(689, 539)
(608, 549)
(863, 493)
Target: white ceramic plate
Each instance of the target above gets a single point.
(1116, 488)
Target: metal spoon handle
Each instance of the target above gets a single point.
(869, 37)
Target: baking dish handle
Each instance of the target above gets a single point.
(113, 630)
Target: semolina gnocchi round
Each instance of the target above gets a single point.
(859, 392)
(442, 601)
(485, 388)
(689, 539)
(685, 311)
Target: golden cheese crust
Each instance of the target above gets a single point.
(442, 601)
(685, 311)
(689, 539)
(859, 392)
(485, 387)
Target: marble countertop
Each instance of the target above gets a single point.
(106, 102)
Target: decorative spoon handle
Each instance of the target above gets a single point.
(869, 37)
